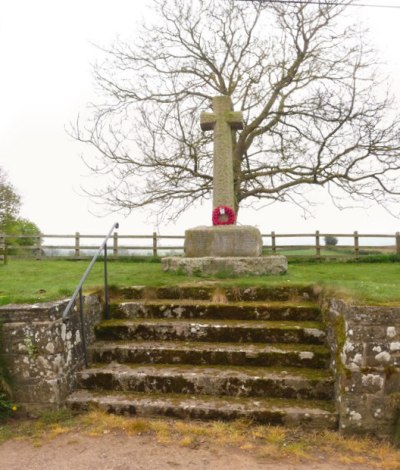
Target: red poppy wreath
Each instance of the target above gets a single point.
(223, 215)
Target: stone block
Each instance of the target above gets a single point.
(257, 266)
(223, 241)
(360, 384)
(42, 353)
(378, 355)
(392, 381)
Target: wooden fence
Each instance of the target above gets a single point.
(158, 245)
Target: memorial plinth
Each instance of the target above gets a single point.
(229, 250)
(229, 266)
(223, 241)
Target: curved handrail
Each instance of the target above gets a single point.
(65, 316)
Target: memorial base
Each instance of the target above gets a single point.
(230, 266)
(223, 241)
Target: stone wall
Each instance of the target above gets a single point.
(43, 356)
(42, 353)
(366, 359)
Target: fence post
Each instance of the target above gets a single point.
(273, 242)
(154, 243)
(356, 244)
(317, 244)
(3, 255)
(38, 247)
(115, 244)
(398, 243)
(77, 245)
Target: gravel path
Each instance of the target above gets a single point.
(119, 452)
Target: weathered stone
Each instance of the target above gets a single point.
(364, 342)
(289, 413)
(217, 381)
(392, 384)
(42, 353)
(168, 352)
(211, 331)
(257, 266)
(361, 383)
(230, 310)
(292, 292)
(223, 121)
(214, 243)
(222, 241)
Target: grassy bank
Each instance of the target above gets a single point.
(30, 281)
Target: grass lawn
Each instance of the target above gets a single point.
(31, 281)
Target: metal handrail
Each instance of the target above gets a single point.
(78, 290)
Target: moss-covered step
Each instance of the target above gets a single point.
(211, 330)
(212, 291)
(245, 310)
(206, 380)
(307, 414)
(198, 353)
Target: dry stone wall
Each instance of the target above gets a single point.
(42, 353)
(365, 343)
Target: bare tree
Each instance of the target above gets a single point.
(315, 113)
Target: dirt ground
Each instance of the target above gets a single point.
(120, 452)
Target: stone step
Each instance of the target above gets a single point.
(308, 414)
(198, 353)
(211, 331)
(215, 292)
(207, 380)
(274, 311)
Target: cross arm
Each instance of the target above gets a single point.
(207, 121)
(235, 119)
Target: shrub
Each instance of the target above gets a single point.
(330, 240)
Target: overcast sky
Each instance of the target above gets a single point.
(46, 57)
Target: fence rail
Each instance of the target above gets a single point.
(158, 245)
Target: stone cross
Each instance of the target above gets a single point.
(223, 120)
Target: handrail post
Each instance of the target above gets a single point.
(83, 332)
(107, 307)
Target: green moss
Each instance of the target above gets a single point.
(31, 347)
(389, 371)
(339, 326)
(395, 404)
(314, 375)
(5, 379)
(177, 398)
(281, 325)
(396, 436)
